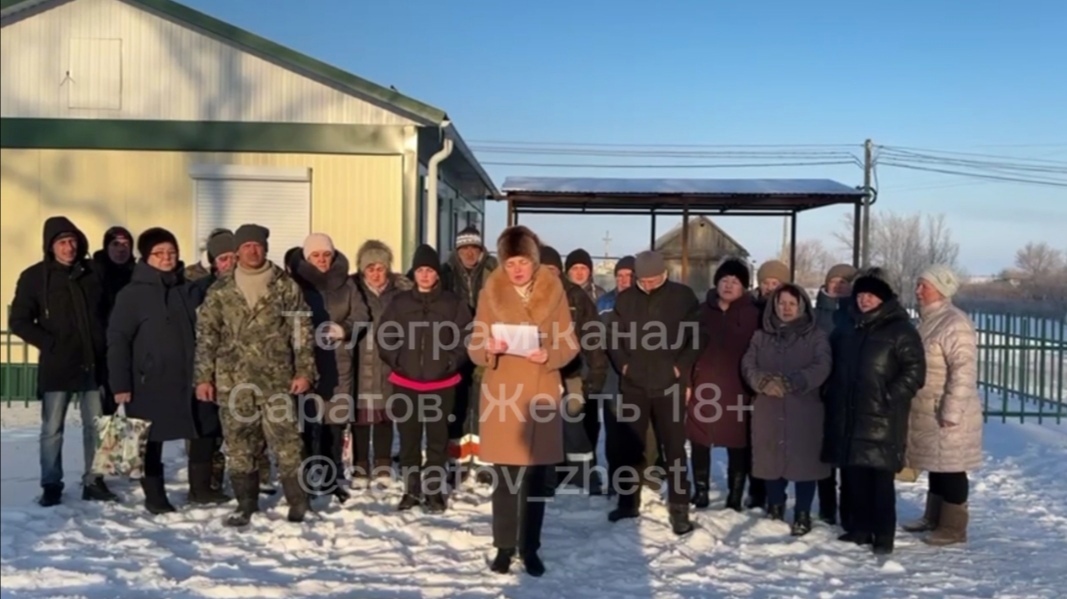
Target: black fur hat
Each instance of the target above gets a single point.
(150, 238)
(873, 281)
(734, 267)
(518, 241)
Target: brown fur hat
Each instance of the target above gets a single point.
(518, 241)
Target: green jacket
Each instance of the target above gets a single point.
(266, 346)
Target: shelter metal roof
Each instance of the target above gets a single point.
(593, 194)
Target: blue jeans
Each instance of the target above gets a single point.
(54, 406)
(805, 490)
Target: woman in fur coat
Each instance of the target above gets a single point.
(520, 419)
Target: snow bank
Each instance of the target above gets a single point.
(366, 549)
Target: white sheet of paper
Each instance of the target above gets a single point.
(521, 338)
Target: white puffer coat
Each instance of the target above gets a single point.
(950, 395)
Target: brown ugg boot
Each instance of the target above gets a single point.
(952, 528)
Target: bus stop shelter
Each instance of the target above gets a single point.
(685, 198)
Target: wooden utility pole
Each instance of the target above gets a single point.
(607, 244)
(865, 232)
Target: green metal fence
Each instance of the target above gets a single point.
(1022, 364)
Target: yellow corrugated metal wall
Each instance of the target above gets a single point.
(353, 198)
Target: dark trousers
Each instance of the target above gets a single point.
(591, 422)
(953, 487)
(430, 411)
(326, 443)
(757, 488)
(777, 493)
(613, 435)
(872, 500)
(376, 438)
(828, 496)
(666, 412)
(738, 464)
(461, 406)
(200, 451)
(519, 495)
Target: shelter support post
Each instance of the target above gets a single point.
(857, 237)
(652, 235)
(793, 247)
(685, 242)
(512, 215)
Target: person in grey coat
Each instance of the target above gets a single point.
(339, 316)
(786, 363)
(378, 285)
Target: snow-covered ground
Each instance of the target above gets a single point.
(366, 549)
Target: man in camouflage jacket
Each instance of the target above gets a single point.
(254, 352)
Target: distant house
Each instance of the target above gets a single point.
(708, 246)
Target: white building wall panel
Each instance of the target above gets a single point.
(68, 62)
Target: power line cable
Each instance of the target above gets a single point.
(916, 167)
(671, 166)
(926, 151)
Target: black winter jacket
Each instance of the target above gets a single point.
(879, 366)
(151, 346)
(421, 335)
(658, 332)
(592, 363)
(60, 311)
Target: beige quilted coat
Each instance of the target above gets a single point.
(950, 394)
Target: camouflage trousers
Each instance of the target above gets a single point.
(253, 424)
(218, 465)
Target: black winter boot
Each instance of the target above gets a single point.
(201, 491)
(801, 524)
(736, 491)
(246, 491)
(51, 495)
(701, 487)
(776, 511)
(533, 564)
(296, 496)
(857, 537)
(757, 493)
(629, 506)
(412, 492)
(502, 562)
(679, 517)
(155, 495)
(882, 544)
(98, 491)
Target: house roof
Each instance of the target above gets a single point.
(676, 231)
(389, 99)
(604, 194)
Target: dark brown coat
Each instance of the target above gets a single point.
(787, 432)
(520, 419)
(718, 413)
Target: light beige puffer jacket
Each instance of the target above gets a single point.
(950, 394)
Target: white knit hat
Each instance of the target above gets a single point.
(942, 278)
(317, 242)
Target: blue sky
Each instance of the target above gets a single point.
(982, 76)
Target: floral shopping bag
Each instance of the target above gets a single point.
(122, 442)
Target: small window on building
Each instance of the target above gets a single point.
(94, 78)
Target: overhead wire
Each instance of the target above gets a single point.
(670, 166)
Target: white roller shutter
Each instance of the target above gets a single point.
(279, 199)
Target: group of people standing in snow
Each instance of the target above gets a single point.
(247, 355)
